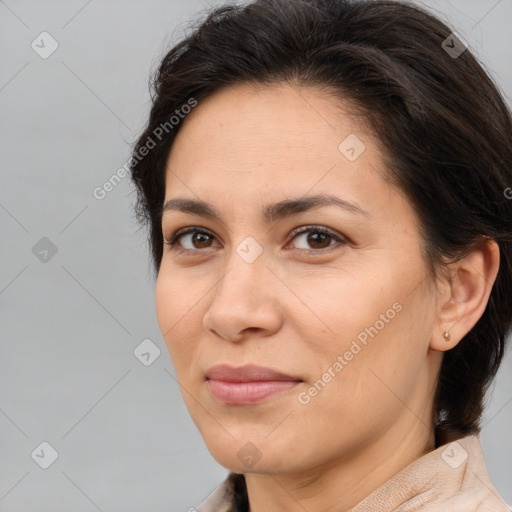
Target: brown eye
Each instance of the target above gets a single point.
(199, 239)
(316, 239)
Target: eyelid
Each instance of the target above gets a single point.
(314, 227)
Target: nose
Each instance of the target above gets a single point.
(245, 301)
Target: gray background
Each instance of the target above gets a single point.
(69, 325)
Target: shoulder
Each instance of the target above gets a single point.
(452, 478)
(475, 483)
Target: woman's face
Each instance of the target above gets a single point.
(348, 315)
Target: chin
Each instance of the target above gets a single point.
(246, 453)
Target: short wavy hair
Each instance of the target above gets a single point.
(443, 122)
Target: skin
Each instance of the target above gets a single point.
(243, 147)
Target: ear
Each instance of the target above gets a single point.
(464, 292)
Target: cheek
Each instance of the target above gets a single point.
(392, 368)
(176, 297)
(359, 389)
(175, 312)
(166, 305)
(365, 339)
(335, 307)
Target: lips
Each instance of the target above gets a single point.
(248, 384)
(247, 373)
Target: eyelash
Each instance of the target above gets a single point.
(299, 231)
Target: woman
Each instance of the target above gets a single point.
(324, 183)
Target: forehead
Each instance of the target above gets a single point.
(242, 129)
(297, 113)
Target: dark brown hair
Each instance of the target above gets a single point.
(443, 122)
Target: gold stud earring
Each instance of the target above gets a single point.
(446, 335)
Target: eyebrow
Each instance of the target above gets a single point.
(270, 212)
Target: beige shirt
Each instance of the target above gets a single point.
(451, 478)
